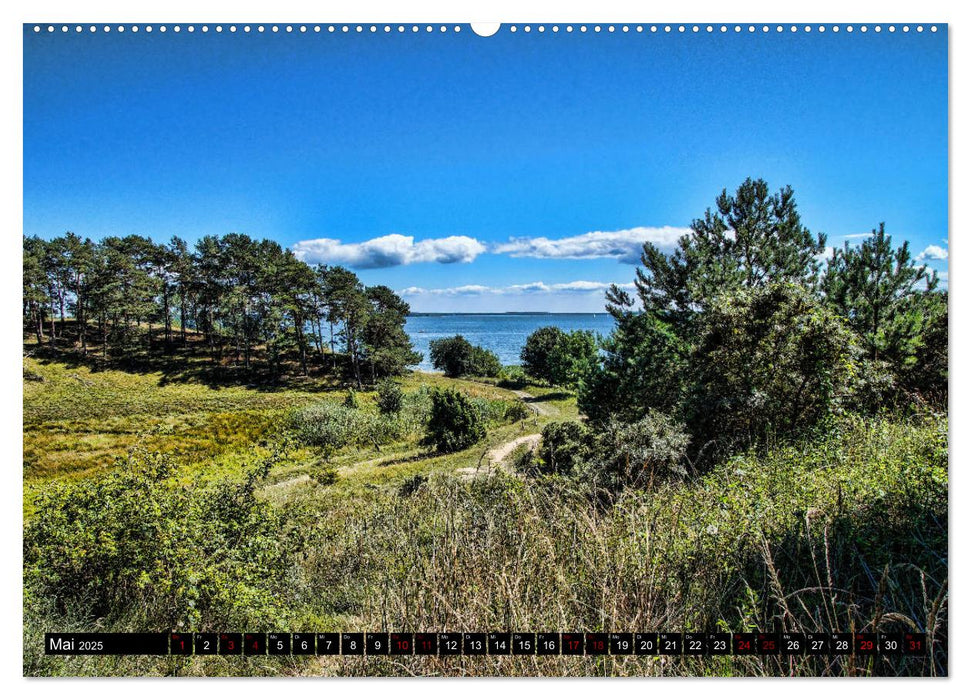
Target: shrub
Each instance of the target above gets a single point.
(538, 351)
(412, 485)
(139, 545)
(638, 454)
(327, 426)
(615, 456)
(564, 446)
(390, 397)
(457, 357)
(455, 422)
(771, 361)
(643, 366)
(512, 377)
(323, 475)
(484, 363)
(517, 410)
(558, 357)
(351, 400)
(928, 374)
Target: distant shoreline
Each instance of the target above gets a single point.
(507, 313)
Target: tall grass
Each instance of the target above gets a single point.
(844, 533)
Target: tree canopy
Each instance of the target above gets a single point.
(237, 295)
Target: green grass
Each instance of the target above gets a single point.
(79, 422)
(847, 531)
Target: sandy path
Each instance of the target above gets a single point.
(535, 406)
(497, 454)
(289, 482)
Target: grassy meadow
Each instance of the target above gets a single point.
(846, 532)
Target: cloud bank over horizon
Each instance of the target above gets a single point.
(576, 287)
(625, 245)
(395, 249)
(389, 251)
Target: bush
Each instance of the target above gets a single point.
(557, 357)
(615, 456)
(484, 363)
(643, 367)
(455, 423)
(323, 475)
(138, 545)
(457, 357)
(928, 374)
(517, 410)
(538, 351)
(351, 400)
(327, 426)
(390, 397)
(770, 362)
(564, 446)
(638, 454)
(512, 377)
(330, 427)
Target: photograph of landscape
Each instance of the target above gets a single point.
(587, 332)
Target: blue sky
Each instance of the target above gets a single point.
(515, 172)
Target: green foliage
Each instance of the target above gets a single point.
(484, 363)
(233, 297)
(928, 375)
(640, 454)
(387, 346)
(412, 485)
(516, 410)
(351, 400)
(323, 474)
(881, 294)
(558, 357)
(512, 377)
(564, 446)
(842, 531)
(140, 546)
(615, 456)
(536, 352)
(329, 427)
(457, 357)
(739, 337)
(750, 239)
(390, 397)
(643, 366)
(456, 423)
(769, 362)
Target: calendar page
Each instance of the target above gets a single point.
(516, 349)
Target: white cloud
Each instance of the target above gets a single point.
(389, 251)
(624, 245)
(395, 249)
(851, 236)
(933, 252)
(577, 287)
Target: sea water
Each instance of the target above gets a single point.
(504, 334)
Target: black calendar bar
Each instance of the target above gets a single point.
(105, 643)
(481, 644)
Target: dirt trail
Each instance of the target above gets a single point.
(497, 454)
(536, 406)
(289, 482)
(493, 458)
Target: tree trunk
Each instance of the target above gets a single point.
(182, 320)
(302, 342)
(53, 327)
(40, 321)
(82, 325)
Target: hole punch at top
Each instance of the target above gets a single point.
(485, 28)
